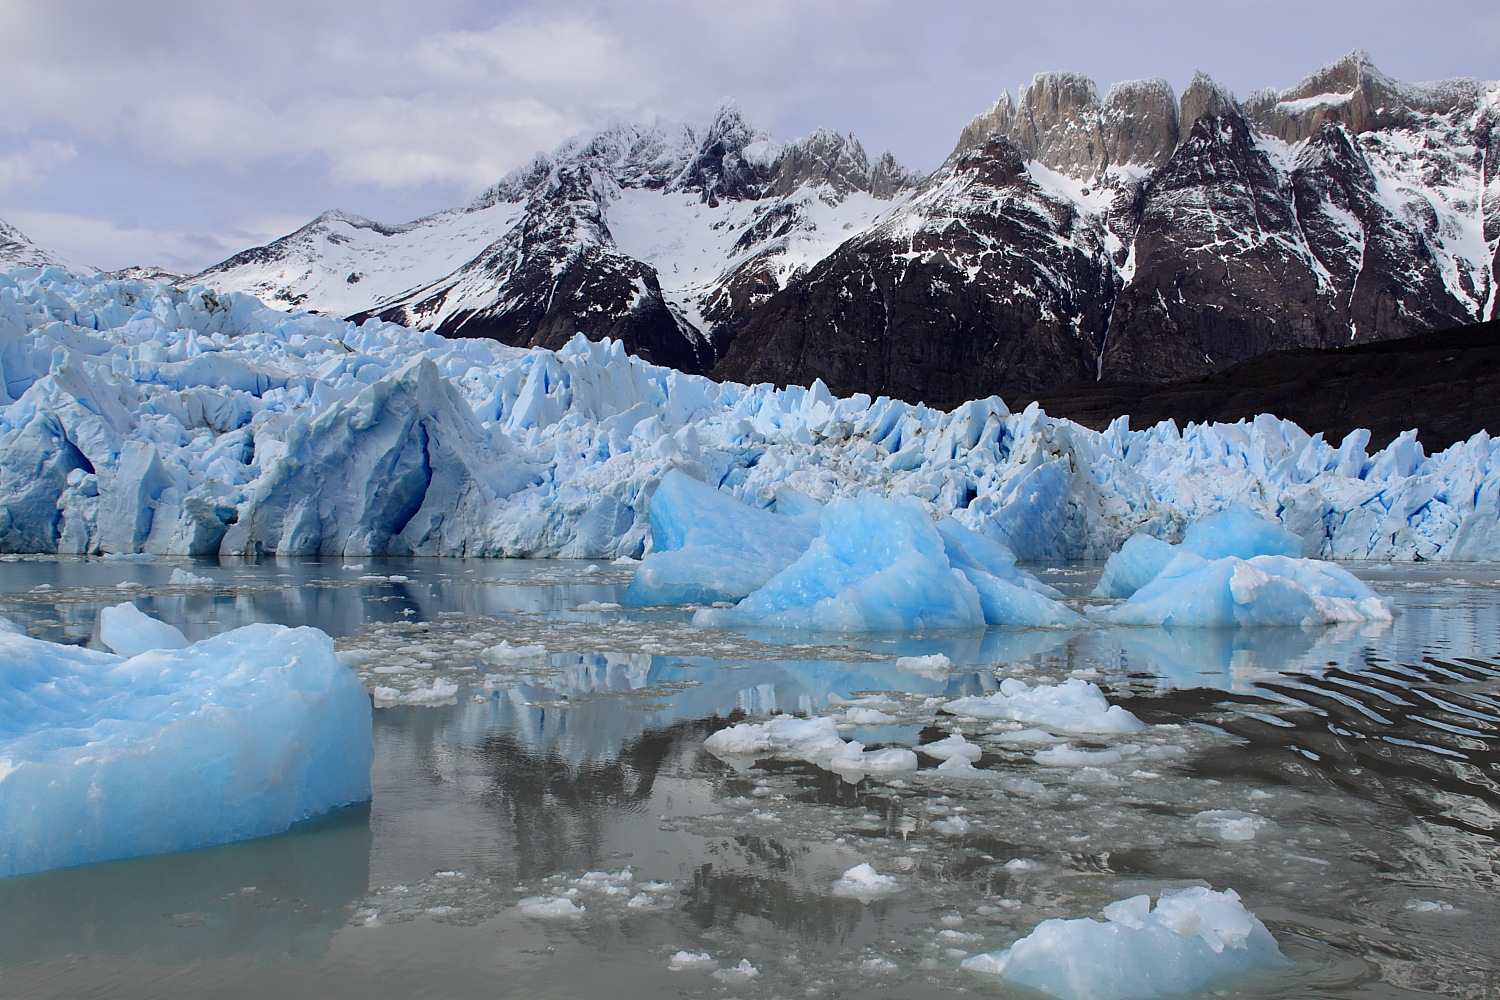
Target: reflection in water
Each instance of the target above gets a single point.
(270, 900)
(1372, 751)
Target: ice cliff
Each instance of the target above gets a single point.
(139, 417)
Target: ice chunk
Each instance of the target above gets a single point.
(814, 740)
(1263, 590)
(1193, 937)
(237, 736)
(933, 665)
(865, 883)
(504, 652)
(439, 692)
(1075, 705)
(1231, 824)
(183, 578)
(691, 960)
(1240, 532)
(1137, 563)
(1235, 531)
(8, 626)
(550, 907)
(1066, 756)
(882, 565)
(952, 746)
(708, 546)
(742, 973)
(127, 630)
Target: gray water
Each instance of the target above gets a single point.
(1372, 751)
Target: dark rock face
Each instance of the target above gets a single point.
(558, 275)
(1140, 236)
(1446, 385)
(981, 284)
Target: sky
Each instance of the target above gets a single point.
(175, 133)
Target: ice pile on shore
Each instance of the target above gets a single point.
(174, 746)
(1232, 568)
(138, 417)
(1191, 938)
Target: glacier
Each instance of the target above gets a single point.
(1192, 937)
(106, 756)
(138, 417)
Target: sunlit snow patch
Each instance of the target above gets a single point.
(237, 736)
(1192, 937)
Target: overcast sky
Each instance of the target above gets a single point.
(176, 132)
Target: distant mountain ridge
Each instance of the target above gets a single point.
(1140, 236)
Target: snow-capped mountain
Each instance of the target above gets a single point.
(17, 250)
(654, 235)
(1143, 235)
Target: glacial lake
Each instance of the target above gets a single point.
(1364, 760)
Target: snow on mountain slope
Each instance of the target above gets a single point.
(572, 242)
(142, 417)
(17, 250)
(340, 263)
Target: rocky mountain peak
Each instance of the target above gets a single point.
(1205, 97)
(998, 120)
(1139, 121)
(1058, 124)
(1353, 93)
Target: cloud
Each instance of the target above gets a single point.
(88, 242)
(33, 162)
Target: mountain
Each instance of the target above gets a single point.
(1139, 236)
(661, 236)
(17, 250)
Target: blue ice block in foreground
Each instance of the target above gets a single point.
(104, 756)
(1191, 938)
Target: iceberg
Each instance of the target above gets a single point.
(1261, 590)
(707, 546)
(106, 756)
(1191, 938)
(883, 565)
(142, 417)
(1236, 531)
(1075, 706)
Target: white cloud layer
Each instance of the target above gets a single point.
(351, 98)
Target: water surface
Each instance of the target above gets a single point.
(1370, 753)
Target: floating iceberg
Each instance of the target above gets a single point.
(139, 417)
(1191, 938)
(1236, 531)
(1263, 590)
(707, 546)
(1075, 706)
(104, 756)
(883, 565)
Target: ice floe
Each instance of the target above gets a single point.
(174, 747)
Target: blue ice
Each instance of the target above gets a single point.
(104, 756)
